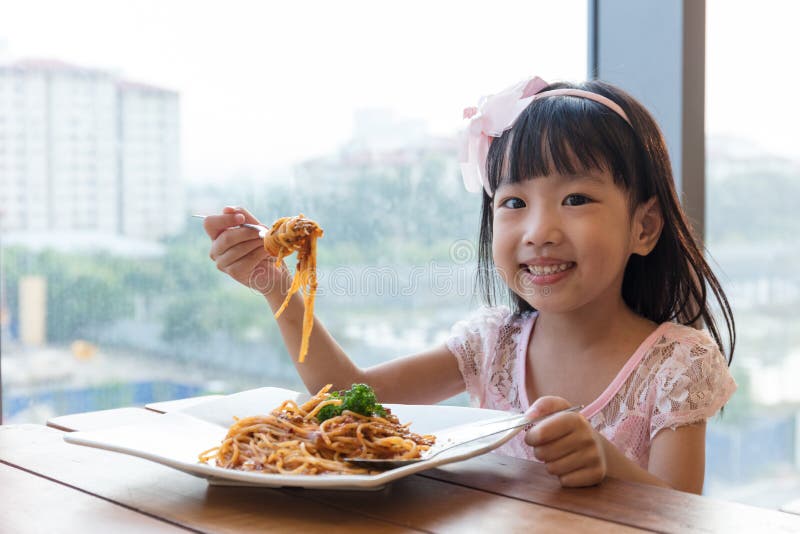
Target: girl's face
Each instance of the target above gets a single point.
(562, 242)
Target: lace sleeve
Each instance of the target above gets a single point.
(692, 384)
(470, 341)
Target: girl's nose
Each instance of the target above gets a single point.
(542, 228)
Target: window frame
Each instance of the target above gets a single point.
(656, 51)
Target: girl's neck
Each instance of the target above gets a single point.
(591, 325)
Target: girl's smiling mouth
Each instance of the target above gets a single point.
(547, 272)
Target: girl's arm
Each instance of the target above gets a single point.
(677, 460)
(580, 456)
(427, 377)
(679, 457)
(424, 378)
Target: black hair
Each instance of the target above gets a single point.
(567, 135)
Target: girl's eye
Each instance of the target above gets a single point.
(576, 200)
(514, 203)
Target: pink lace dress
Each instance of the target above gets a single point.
(676, 377)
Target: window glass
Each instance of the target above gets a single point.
(344, 111)
(753, 180)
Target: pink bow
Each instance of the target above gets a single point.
(494, 115)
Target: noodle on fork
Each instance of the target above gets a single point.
(287, 235)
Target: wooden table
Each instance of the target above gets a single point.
(48, 485)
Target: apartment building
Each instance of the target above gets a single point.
(83, 151)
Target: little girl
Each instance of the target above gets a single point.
(582, 225)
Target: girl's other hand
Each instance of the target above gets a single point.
(567, 444)
(239, 252)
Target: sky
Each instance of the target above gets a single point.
(265, 84)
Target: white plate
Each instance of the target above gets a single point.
(176, 439)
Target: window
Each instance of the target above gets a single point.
(753, 180)
(351, 123)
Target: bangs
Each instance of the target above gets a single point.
(565, 136)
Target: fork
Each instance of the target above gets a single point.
(491, 428)
(262, 230)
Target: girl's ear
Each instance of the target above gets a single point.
(647, 224)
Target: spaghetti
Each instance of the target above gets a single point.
(290, 440)
(287, 235)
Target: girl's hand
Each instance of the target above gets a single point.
(240, 253)
(567, 444)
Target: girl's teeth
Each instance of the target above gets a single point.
(549, 269)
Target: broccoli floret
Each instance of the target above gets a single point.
(331, 410)
(360, 398)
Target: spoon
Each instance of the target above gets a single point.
(487, 429)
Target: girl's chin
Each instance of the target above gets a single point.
(542, 302)
(548, 307)
(547, 300)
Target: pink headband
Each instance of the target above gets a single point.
(495, 114)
